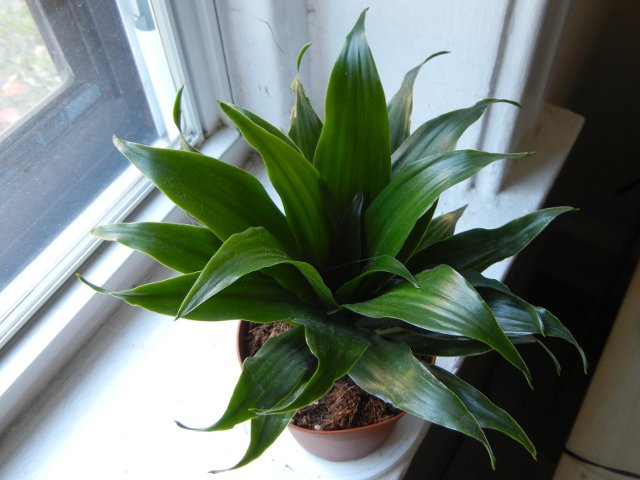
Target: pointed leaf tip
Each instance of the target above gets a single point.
(358, 28)
(120, 144)
(94, 287)
(401, 106)
(362, 16)
(434, 55)
(83, 280)
(301, 54)
(177, 107)
(490, 100)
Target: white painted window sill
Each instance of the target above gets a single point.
(110, 413)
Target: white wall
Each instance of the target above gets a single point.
(261, 42)
(499, 48)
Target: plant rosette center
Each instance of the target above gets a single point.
(345, 406)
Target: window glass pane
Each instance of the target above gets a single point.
(84, 68)
(28, 74)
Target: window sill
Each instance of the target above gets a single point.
(97, 408)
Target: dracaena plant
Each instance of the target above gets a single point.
(369, 279)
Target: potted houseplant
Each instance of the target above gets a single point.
(366, 277)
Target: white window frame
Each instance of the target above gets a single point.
(56, 317)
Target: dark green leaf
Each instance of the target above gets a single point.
(184, 248)
(415, 238)
(555, 361)
(353, 150)
(243, 253)
(440, 228)
(393, 214)
(224, 198)
(514, 315)
(384, 264)
(447, 304)
(304, 195)
(347, 247)
(438, 135)
(439, 345)
(390, 372)
(480, 248)
(554, 328)
(487, 413)
(337, 348)
(304, 126)
(545, 323)
(290, 278)
(436, 344)
(254, 297)
(477, 280)
(262, 384)
(401, 105)
(265, 429)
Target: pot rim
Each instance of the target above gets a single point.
(381, 423)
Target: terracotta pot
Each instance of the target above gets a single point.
(342, 445)
(335, 445)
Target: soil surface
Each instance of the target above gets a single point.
(345, 406)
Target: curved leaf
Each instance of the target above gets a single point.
(401, 105)
(353, 150)
(485, 411)
(261, 384)
(262, 123)
(224, 198)
(439, 345)
(290, 278)
(184, 248)
(447, 304)
(440, 228)
(393, 214)
(477, 280)
(265, 429)
(304, 195)
(337, 349)
(417, 234)
(545, 322)
(439, 134)
(514, 315)
(254, 297)
(480, 248)
(435, 344)
(304, 126)
(384, 264)
(243, 253)
(177, 118)
(390, 372)
(554, 328)
(177, 108)
(555, 361)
